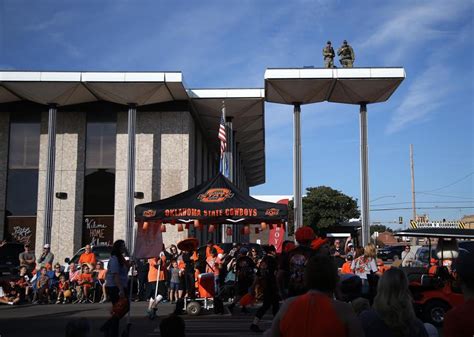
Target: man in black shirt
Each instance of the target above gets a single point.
(266, 276)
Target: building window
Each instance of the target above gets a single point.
(99, 183)
(22, 177)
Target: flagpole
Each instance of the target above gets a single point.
(222, 170)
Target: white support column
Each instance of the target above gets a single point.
(50, 169)
(364, 175)
(297, 194)
(129, 211)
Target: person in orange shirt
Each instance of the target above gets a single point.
(381, 267)
(210, 246)
(85, 283)
(156, 271)
(100, 273)
(213, 265)
(300, 316)
(88, 257)
(346, 267)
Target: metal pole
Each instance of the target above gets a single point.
(412, 165)
(364, 175)
(129, 221)
(230, 163)
(297, 197)
(50, 169)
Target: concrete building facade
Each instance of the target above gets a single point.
(175, 143)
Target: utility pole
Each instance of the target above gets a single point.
(412, 165)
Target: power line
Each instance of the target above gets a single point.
(425, 202)
(405, 208)
(451, 184)
(444, 195)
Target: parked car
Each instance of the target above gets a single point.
(9, 261)
(467, 245)
(102, 253)
(389, 252)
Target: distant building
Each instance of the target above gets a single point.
(468, 220)
(386, 239)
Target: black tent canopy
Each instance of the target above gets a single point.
(216, 201)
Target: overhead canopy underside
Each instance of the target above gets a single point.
(245, 106)
(338, 85)
(438, 233)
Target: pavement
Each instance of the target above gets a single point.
(50, 320)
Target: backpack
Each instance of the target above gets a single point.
(296, 281)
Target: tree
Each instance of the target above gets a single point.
(324, 207)
(380, 228)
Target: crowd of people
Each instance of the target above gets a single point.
(337, 290)
(41, 281)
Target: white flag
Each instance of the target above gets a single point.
(149, 242)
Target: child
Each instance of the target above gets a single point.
(174, 282)
(11, 294)
(42, 287)
(24, 282)
(346, 267)
(100, 274)
(63, 285)
(85, 283)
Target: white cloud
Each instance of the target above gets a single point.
(401, 32)
(425, 95)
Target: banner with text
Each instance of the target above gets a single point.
(276, 238)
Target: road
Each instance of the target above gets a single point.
(50, 320)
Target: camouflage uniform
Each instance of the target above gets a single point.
(328, 54)
(346, 54)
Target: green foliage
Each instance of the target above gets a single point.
(324, 207)
(380, 228)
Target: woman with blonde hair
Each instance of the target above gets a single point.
(364, 265)
(392, 313)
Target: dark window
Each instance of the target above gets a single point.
(22, 192)
(23, 159)
(101, 139)
(99, 192)
(24, 145)
(99, 185)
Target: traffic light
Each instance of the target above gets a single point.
(400, 220)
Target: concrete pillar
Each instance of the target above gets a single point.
(176, 142)
(121, 175)
(198, 157)
(67, 217)
(4, 136)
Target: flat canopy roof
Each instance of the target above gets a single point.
(438, 233)
(338, 85)
(246, 106)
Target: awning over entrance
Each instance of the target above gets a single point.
(216, 201)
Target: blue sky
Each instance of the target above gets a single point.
(231, 43)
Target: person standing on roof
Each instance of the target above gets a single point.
(328, 55)
(346, 55)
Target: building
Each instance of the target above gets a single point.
(66, 139)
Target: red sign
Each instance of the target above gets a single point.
(276, 238)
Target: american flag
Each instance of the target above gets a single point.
(222, 136)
